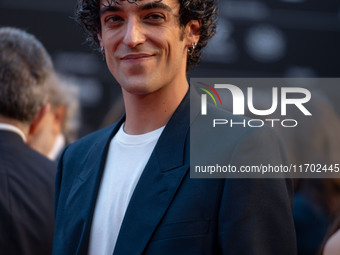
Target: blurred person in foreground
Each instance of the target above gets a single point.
(126, 189)
(27, 177)
(59, 126)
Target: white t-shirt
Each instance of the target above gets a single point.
(126, 160)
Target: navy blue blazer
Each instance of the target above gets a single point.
(169, 212)
(26, 198)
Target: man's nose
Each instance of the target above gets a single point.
(134, 33)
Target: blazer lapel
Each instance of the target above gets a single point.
(88, 182)
(157, 186)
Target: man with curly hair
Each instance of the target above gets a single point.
(126, 189)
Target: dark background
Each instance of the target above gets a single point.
(277, 38)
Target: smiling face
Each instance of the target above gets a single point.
(145, 46)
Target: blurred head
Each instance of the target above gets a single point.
(63, 97)
(88, 16)
(25, 68)
(62, 117)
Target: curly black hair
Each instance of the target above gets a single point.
(87, 16)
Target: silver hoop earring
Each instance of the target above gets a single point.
(192, 48)
(102, 51)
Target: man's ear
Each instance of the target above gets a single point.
(38, 118)
(59, 116)
(99, 36)
(193, 32)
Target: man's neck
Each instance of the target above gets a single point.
(145, 113)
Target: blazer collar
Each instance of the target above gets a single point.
(95, 160)
(87, 183)
(13, 129)
(10, 137)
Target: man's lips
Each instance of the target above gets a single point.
(136, 56)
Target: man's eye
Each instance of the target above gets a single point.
(113, 19)
(155, 18)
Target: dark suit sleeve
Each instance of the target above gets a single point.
(58, 182)
(256, 214)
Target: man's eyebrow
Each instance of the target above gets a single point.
(148, 6)
(154, 5)
(109, 8)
